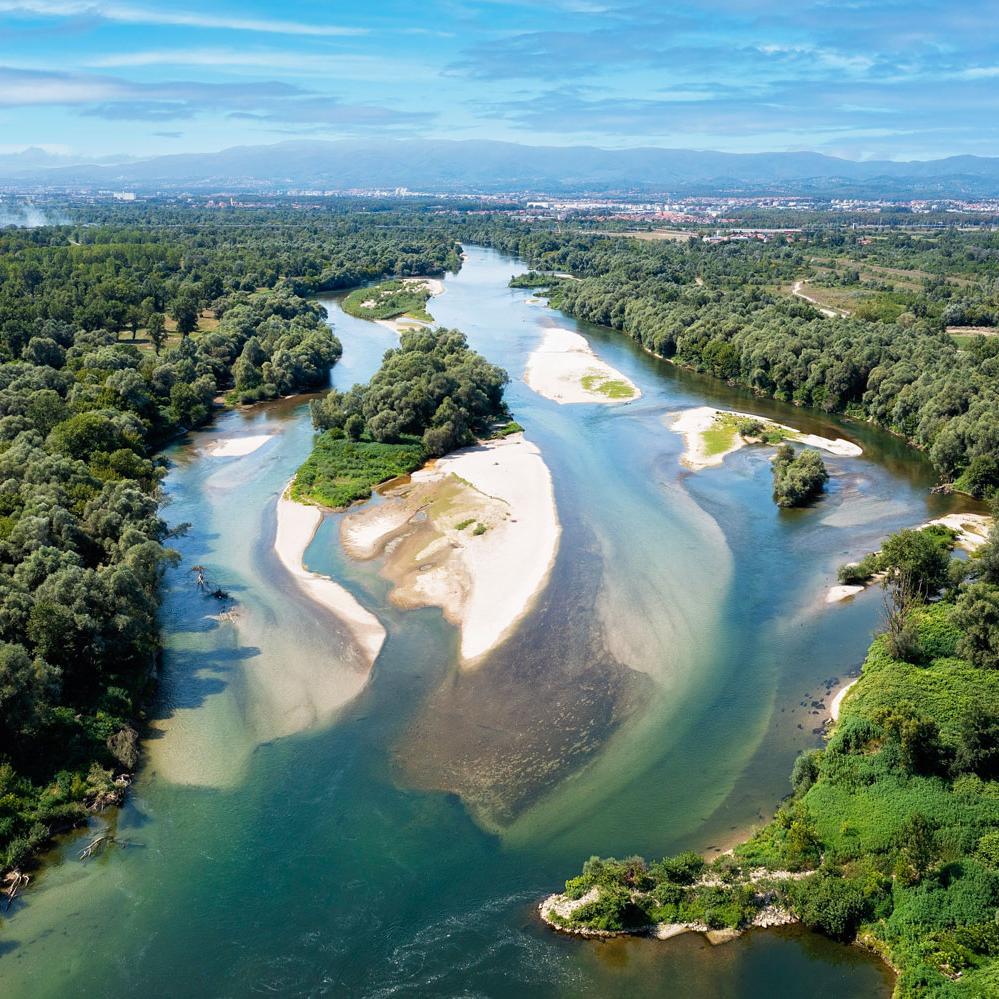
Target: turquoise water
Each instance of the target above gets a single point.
(396, 842)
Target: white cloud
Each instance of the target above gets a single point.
(131, 14)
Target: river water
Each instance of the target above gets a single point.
(287, 837)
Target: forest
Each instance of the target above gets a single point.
(114, 339)
(726, 309)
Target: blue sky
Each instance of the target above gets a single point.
(857, 78)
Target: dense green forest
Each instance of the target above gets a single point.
(892, 830)
(114, 339)
(726, 309)
(432, 394)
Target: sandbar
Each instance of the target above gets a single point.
(972, 528)
(694, 423)
(296, 527)
(474, 533)
(236, 447)
(565, 369)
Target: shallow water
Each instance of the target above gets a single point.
(282, 839)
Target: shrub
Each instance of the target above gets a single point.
(805, 771)
(797, 479)
(832, 905)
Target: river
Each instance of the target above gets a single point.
(296, 832)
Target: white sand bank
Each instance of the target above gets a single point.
(565, 369)
(296, 527)
(236, 447)
(972, 528)
(837, 701)
(694, 423)
(484, 582)
(842, 592)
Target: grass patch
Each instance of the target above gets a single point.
(480, 529)
(720, 437)
(389, 300)
(613, 388)
(461, 525)
(513, 427)
(340, 471)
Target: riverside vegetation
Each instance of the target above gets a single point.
(113, 339)
(724, 309)
(431, 395)
(891, 834)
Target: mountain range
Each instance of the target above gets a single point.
(475, 166)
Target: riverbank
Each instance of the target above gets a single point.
(711, 435)
(474, 533)
(296, 526)
(565, 369)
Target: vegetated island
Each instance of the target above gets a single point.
(891, 835)
(476, 531)
(564, 368)
(710, 435)
(798, 478)
(398, 304)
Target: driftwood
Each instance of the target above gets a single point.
(201, 579)
(97, 844)
(14, 883)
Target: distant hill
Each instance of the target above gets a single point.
(489, 167)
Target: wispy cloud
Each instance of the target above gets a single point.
(132, 14)
(328, 64)
(115, 99)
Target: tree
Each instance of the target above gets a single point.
(976, 614)
(899, 599)
(354, 426)
(978, 740)
(917, 846)
(156, 328)
(185, 309)
(797, 479)
(919, 558)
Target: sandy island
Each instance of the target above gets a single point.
(403, 323)
(236, 447)
(699, 453)
(474, 533)
(565, 369)
(296, 527)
